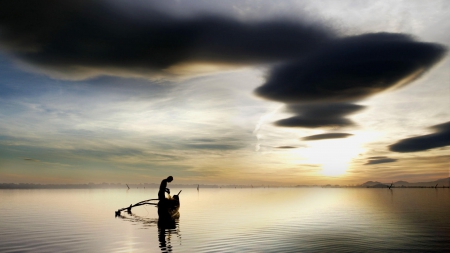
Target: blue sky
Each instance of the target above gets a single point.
(254, 92)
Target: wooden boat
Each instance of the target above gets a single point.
(169, 208)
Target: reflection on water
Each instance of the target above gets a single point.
(145, 222)
(168, 219)
(167, 228)
(228, 220)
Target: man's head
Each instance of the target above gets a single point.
(169, 179)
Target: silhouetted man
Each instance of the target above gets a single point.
(163, 188)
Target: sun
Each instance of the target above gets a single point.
(335, 155)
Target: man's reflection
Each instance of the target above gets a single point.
(167, 227)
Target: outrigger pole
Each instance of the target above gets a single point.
(144, 202)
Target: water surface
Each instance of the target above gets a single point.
(228, 220)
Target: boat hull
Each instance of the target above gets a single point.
(169, 208)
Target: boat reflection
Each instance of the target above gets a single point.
(167, 228)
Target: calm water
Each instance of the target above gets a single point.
(228, 220)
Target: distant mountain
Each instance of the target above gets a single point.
(371, 183)
(439, 182)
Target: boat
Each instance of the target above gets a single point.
(169, 208)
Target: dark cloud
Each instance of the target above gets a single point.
(285, 147)
(80, 37)
(325, 110)
(444, 127)
(320, 115)
(420, 143)
(299, 121)
(31, 160)
(380, 159)
(351, 69)
(377, 157)
(326, 136)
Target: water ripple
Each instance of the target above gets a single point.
(229, 220)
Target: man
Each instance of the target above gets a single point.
(163, 188)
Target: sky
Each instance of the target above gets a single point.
(224, 92)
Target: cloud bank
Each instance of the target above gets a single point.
(319, 75)
(81, 39)
(380, 159)
(286, 147)
(351, 69)
(320, 115)
(440, 138)
(317, 137)
(321, 87)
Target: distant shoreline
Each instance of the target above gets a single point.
(441, 183)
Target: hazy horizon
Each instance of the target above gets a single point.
(195, 185)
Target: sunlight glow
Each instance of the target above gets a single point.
(335, 155)
(334, 168)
